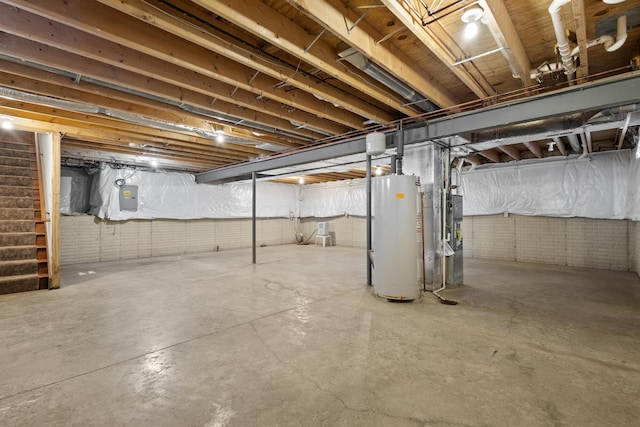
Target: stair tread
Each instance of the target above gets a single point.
(18, 232)
(18, 261)
(18, 277)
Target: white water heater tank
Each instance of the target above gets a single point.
(396, 237)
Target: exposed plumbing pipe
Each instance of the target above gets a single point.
(546, 68)
(621, 37)
(610, 44)
(585, 151)
(561, 37)
(399, 148)
(445, 237)
(573, 140)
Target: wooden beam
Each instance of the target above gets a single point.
(55, 212)
(254, 58)
(438, 41)
(82, 126)
(560, 144)
(62, 60)
(123, 41)
(492, 155)
(169, 115)
(511, 151)
(580, 18)
(199, 162)
(501, 27)
(263, 21)
(534, 148)
(70, 40)
(474, 160)
(331, 15)
(29, 79)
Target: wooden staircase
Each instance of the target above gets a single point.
(23, 239)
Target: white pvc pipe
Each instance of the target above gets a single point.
(563, 42)
(621, 37)
(610, 44)
(585, 152)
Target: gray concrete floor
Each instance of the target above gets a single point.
(210, 340)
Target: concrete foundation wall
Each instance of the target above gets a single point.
(634, 246)
(580, 242)
(609, 244)
(86, 239)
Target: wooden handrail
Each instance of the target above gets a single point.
(44, 217)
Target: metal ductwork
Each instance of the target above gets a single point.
(359, 61)
(47, 101)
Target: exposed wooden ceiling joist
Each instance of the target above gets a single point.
(68, 39)
(59, 59)
(501, 26)
(579, 15)
(257, 61)
(149, 51)
(263, 21)
(91, 127)
(492, 155)
(511, 151)
(340, 21)
(534, 148)
(54, 86)
(436, 39)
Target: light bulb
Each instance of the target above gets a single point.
(154, 163)
(301, 180)
(471, 30)
(220, 137)
(378, 171)
(7, 125)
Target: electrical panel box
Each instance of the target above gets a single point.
(323, 229)
(129, 198)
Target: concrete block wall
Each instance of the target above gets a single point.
(87, 239)
(634, 246)
(580, 242)
(609, 244)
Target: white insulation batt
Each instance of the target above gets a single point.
(177, 196)
(604, 185)
(334, 199)
(75, 185)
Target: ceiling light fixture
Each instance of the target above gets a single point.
(551, 144)
(154, 163)
(378, 171)
(301, 180)
(220, 137)
(7, 125)
(471, 16)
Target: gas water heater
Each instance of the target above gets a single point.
(396, 237)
